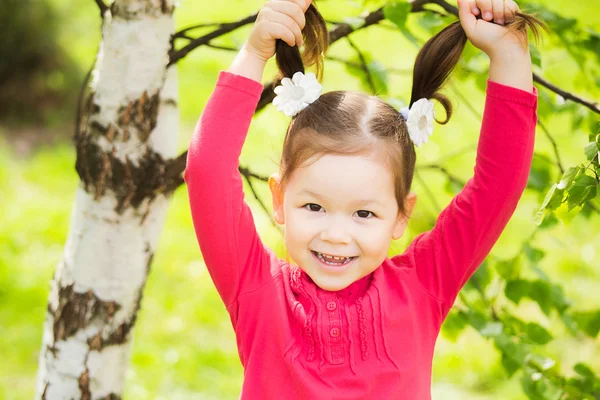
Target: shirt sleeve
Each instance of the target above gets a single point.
(233, 252)
(465, 232)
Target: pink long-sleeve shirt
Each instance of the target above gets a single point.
(375, 338)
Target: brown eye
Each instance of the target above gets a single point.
(364, 213)
(313, 207)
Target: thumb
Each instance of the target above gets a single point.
(466, 17)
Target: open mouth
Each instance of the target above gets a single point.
(336, 261)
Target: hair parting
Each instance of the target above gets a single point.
(354, 123)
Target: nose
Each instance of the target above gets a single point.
(336, 231)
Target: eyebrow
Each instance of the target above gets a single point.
(358, 202)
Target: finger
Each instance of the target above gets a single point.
(511, 8)
(303, 4)
(466, 17)
(306, 4)
(486, 9)
(291, 9)
(282, 32)
(498, 11)
(473, 7)
(287, 21)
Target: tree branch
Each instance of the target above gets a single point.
(363, 65)
(338, 32)
(176, 55)
(247, 174)
(554, 146)
(566, 95)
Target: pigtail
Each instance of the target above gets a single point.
(438, 57)
(316, 40)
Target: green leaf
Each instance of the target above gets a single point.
(534, 255)
(588, 322)
(536, 56)
(568, 177)
(584, 370)
(516, 289)
(481, 278)
(452, 187)
(377, 73)
(561, 303)
(591, 150)
(539, 174)
(583, 189)
(454, 324)
(537, 333)
(513, 354)
(509, 269)
(397, 12)
(556, 199)
(540, 363)
(549, 221)
(491, 329)
(429, 20)
(411, 38)
(380, 77)
(541, 292)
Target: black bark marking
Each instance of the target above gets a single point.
(76, 310)
(100, 170)
(140, 114)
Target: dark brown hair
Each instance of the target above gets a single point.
(349, 122)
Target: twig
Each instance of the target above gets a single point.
(176, 55)
(566, 95)
(428, 191)
(363, 65)
(247, 174)
(218, 47)
(398, 71)
(339, 31)
(444, 171)
(182, 32)
(554, 146)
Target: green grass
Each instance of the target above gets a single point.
(184, 347)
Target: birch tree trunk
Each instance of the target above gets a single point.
(125, 144)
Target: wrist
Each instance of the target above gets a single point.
(510, 54)
(247, 63)
(512, 68)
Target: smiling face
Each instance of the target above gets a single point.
(343, 206)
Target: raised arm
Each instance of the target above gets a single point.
(236, 258)
(445, 257)
(224, 226)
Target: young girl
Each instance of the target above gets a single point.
(345, 321)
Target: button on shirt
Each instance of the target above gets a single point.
(374, 339)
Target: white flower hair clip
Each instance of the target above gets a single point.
(419, 119)
(293, 95)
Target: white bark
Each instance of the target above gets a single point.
(114, 231)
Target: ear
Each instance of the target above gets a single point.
(277, 195)
(402, 221)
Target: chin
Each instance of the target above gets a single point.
(332, 284)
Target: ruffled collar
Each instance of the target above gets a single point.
(301, 281)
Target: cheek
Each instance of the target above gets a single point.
(297, 227)
(375, 240)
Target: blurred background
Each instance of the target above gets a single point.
(184, 347)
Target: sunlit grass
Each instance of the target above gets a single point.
(184, 347)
